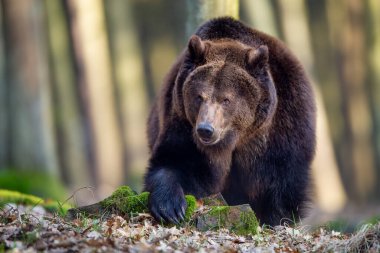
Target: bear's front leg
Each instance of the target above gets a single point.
(167, 201)
(177, 167)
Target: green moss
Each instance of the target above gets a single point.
(134, 204)
(239, 219)
(118, 197)
(219, 210)
(191, 206)
(7, 196)
(248, 224)
(125, 200)
(122, 192)
(220, 213)
(214, 200)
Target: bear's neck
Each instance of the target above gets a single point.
(219, 164)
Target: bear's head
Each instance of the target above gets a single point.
(225, 90)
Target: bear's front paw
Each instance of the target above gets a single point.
(168, 206)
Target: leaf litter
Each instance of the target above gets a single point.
(33, 229)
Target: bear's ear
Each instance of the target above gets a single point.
(257, 58)
(197, 48)
(257, 61)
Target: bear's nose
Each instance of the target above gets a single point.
(205, 131)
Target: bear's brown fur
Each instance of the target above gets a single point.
(236, 115)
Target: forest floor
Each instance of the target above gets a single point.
(33, 229)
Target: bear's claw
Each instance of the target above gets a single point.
(168, 207)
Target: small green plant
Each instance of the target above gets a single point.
(372, 220)
(31, 237)
(96, 225)
(338, 225)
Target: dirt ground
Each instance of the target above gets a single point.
(33, 229)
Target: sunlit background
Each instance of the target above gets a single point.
(77, 79)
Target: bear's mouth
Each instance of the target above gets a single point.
(210, 141)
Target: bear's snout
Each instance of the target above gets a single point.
(205, 131)
(209, 124)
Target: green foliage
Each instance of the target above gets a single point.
(32, 182)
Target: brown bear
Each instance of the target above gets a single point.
(236, 115)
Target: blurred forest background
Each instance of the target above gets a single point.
(77, 79)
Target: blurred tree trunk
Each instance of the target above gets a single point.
(97, 91)
(200, 11)
(373, 75)
(356, 154)
(69, 131)
(3, 98)
(128, 71)
(159, 45)
(325, 69)
(30, 132)
(260, 15)
(327, 80)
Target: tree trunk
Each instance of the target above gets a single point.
(132, 100)
(202, 10)
(30, 141)
(3, 98)
(260, 15)
(68, 125)
(373, 76)
(356, 156)
(97, 91)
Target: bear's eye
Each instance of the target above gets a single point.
(226, 101)
(199, 98)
